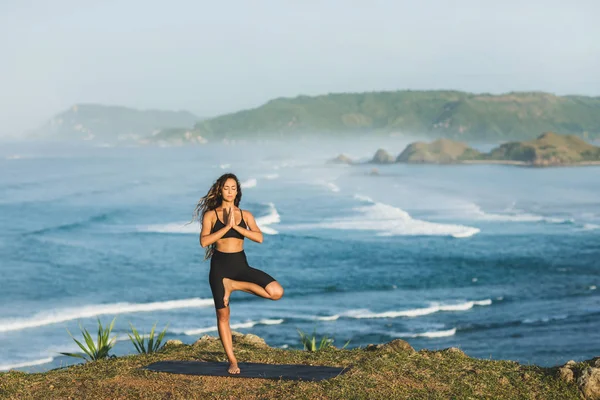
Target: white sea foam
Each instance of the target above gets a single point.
(590, 227)
(271, 176)
(224, 166)
(263, 223)
(389, 221)
(511, 215)
(174, 227)
(327, 317)
(330, 185)
(366, 199)
(333, 187)
(7, 367)
(271, 218)
(431, 334)
(250, 183)
(363, 313)
(544, 319)
(241, 325)
(69, 314)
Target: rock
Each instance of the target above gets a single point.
(548, 149)
(341, 159)
(566, 374)
(382, 157)
(398, 345)
(373, 347)
(566, 371)
(249, 338)
(204, 339)
(589, 383)
(441, 151)
(455, 350)
(173, 342)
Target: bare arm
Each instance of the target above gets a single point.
(207, 238)
(254, 232)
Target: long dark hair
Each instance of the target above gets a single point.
(212, 200)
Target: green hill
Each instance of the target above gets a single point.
(111, 123)
(451, 114)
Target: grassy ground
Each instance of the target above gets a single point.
(390, 371)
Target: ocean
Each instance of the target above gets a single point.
(500, 261)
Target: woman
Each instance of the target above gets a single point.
(224, 228)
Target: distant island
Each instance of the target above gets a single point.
(432, 114)
(548, 149)
(95, 122)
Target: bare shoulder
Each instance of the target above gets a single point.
(209, 216)
(247, 213)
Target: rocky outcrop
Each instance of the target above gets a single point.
(341, 159)
(173, 343)
(205, 339)
(249, 339)
(382, 157)
(548, 149)
(586, 376)
(441, 151)
(396, 345)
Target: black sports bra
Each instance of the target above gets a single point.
(231, 233)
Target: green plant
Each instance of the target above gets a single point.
(310, 342)
(139, 341)
(94, 351)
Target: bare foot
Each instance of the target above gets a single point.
(228, 285)
(233, 368)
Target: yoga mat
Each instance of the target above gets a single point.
(248, 370)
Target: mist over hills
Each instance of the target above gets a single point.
(110, 123)
(451, 114)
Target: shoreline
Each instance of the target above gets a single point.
(479, 162)
(528, 164)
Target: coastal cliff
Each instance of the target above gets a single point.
(393, 370)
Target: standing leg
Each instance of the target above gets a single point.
(225, 334)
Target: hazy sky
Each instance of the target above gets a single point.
(216, 57)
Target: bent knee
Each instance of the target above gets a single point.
(277, 293)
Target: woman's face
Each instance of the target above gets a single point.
(229, 190)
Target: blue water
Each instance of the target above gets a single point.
(502, 262)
